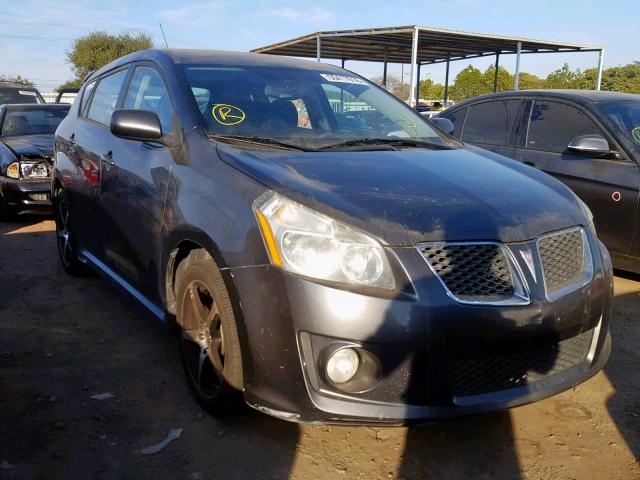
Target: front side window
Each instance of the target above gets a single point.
(303, 107)
(552, 126)
(457, 118)
(31, 120)
(490, 122)
(147, 92)
(105, 98)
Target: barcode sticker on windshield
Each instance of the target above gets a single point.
(343, 79)
(26, 92)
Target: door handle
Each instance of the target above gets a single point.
(108, 158)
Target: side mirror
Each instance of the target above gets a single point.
(589, 145)
(140, 125)
(443, 124)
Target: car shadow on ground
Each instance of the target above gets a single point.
(64, 340)
(624, 404)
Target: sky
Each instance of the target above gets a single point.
(35, 34)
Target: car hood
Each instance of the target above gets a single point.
(410, 196)
(30, 145)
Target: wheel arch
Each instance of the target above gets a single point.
(178, 246)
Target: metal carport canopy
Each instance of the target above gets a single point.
(418, 46)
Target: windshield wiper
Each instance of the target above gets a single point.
(260, 141)
(393, 142)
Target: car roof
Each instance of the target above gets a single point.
(576, 95)
(9, 86)
(214, 57)
(38, 106)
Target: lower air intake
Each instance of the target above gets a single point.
(475, 376)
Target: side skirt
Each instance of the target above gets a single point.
(109, 274)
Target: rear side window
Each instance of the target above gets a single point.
(105, 97)
(148, 92)
(487, 123)
(457, 118)
(553, 125)
(86, 95)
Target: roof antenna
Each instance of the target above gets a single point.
(163, 36)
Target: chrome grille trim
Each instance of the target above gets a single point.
(519, 290)
(554, 288)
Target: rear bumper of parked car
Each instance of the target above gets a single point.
(26, 196)
(436, 358)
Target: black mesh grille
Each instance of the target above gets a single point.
(472, 271)
(562, 257)
(513, 369)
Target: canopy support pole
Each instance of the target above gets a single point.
(446, 85)
(600, 66)
(414, 59)
(384, 71)
(318, 48)
(495, 74)
(516, 81)
(418, 86)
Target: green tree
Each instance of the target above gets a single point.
(619, 79)
(16, 80)
(528, 81)
(468, 83)
(75, 83)
(505, 79)
(95, 50)
(563, 78)
(431, 90)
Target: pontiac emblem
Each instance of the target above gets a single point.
(528, 259)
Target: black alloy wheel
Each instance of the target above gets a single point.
(202, 340)
(209, 345)
(65, 236)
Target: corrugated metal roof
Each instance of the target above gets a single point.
(435, 45)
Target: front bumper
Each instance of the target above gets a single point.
(24, 196)
(420, 337)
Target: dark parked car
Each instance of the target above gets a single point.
(326, 265)
(590, 140)
(26, 151)
(19, 94)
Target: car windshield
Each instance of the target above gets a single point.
(304, 108)
(18, 95)
(625, 115)
(32, 120)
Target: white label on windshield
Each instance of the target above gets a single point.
(343, 79)
(25, 92)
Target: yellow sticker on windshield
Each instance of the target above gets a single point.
(635, 134)
(227, 115)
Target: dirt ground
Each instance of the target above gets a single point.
(64, 340)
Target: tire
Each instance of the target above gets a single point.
(66, 237)
(208, 338)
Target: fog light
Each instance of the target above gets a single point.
(343, 365)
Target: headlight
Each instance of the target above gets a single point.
(28, 170)
(309, 243)
(13, 170)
